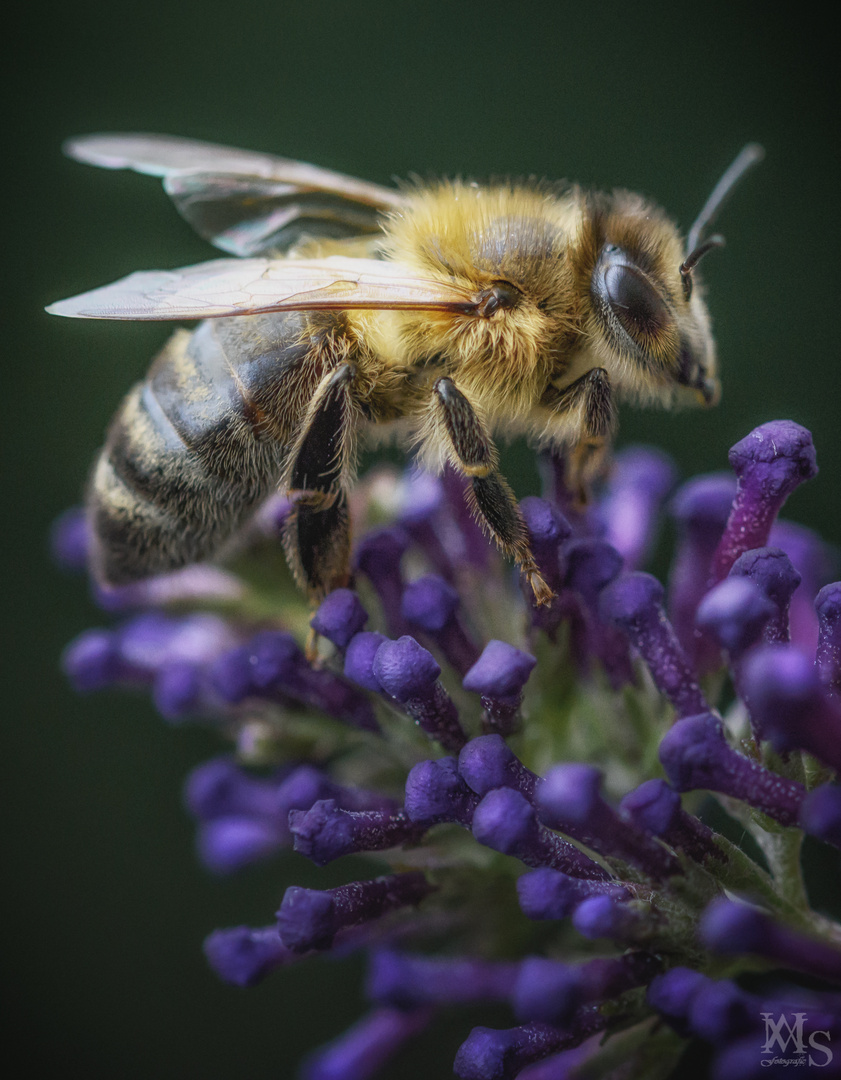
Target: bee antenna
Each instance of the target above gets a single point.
(747, 157)
(697, 248)
(694, 257)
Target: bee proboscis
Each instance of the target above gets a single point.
(445, 312)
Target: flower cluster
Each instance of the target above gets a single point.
(535, 781)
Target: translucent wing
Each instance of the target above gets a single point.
(250, 286)
(244, 202)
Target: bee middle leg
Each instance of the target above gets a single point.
(592, 397)
(317, 533)
(489, 496)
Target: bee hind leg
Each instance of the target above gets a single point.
(317, 532)
(489, 496)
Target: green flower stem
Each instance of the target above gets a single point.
(649, 1049)
(782, 850)
(740, 873)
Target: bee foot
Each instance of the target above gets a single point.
(543, 595)
(311, 647)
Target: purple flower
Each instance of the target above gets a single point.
(640, 481)
(828, 660)
(695, 754)
(431, 604)
(817, 563)
(178, 690)
(735, 612)
(409, 673)
(655, 807)
(92, 662)
(509, 875)
(789, 704)
(200, 584)
(243, 818)
(326, 831)
(634, 602)
(273, 667)
(592, 565)
(227, 844)
(378, 558)
(311, 918)
(672, 994)
(820, 814)
(220, 788)
(362, 1050)
(499, 676)
(505, 821)
(700, 508)
(169, 654)
(340, 616)
(549, 991)
(720, 1011)
(425, 515)
(734, 928)
(551, 894)
(243, 956)
(70, 539)
(411, 981)
(487, 763)
(547, 529)
(436, 793)
(475, 547)
(769, 464)
(568, 799)
(772, 571)
(359, 659)
(270, 520)
(488, 1054)
(605, 917)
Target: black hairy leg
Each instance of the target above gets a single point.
(317, 542)
(489, 495)
(591, 397)
(317, 533)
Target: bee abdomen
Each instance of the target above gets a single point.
(193, 450)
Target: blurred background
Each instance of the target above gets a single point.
(107, 905)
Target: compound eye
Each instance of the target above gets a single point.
(633, 300)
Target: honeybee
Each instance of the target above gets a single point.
(444, 313)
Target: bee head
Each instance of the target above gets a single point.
(648, 312)
(657, 338)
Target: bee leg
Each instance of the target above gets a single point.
(592, 397)
(317, 533)
(489, 496)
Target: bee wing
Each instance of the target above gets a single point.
(251, 286)
(243, 202)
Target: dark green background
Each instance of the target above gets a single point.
(107, 906)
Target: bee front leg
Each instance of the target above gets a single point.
(317, 534)
(591, 397)
(489, 496)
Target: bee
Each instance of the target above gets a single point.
(444, 313)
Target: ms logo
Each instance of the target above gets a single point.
(782, 1037)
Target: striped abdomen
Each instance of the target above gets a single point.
(197, 446)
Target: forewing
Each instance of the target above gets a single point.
(252, 286)
(244, 202)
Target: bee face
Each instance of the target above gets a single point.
(652, 334)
